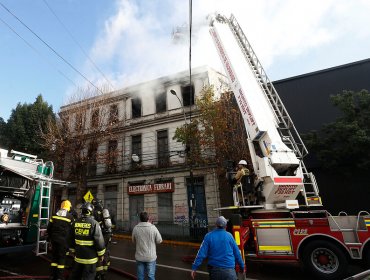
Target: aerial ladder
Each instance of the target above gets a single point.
(276, 149)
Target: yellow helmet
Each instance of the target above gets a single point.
(66, 204)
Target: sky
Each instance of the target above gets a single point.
(58, 47)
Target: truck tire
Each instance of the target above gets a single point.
(324, 260)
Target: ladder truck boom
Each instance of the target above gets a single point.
(323, 243)
(275, 146)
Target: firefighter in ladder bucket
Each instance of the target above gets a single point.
(239, 178)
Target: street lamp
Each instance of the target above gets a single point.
(183, 110)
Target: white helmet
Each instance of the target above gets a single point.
(243, 162)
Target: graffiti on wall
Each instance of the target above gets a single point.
(181, 214)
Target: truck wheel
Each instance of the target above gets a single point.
(325, 260)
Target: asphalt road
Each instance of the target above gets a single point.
(174, 262)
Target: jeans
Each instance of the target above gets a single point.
(219, 273)
(147, 268)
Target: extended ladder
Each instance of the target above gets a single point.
(288, 132)
(43, 218)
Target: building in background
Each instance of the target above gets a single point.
(147, 170)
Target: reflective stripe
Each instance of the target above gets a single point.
(101, 253)
(99, 268)
(60, 266)
(84, 242)
(61, 218)
(51, 220)
(53, 264)
(87, 261)
(106, 267)
(275, 248)
(72, 250)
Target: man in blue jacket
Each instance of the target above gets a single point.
(221, 250)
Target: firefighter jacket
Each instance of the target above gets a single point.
(241, 172)
(88, 242)
(59, 227)
(103, 218)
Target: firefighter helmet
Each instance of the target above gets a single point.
(87, 208)
(243, 162)
(66, 204)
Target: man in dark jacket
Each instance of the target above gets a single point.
(59, 229)
(102, 216)
(88, 245)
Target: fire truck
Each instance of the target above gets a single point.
(283, 218)
(25, 189)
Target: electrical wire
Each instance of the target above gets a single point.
(79, 45)
(36, 51)
(51, 48)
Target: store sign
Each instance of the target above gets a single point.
(151, 188)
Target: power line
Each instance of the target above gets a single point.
(35, 50)
(53, 50)
(76, 42)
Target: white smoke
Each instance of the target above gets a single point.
(135, 44)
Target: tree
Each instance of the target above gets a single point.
(215, 136)
(3, 142)
(343, 146)
(83, 137)
(22, 129)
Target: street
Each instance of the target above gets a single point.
(174, 262)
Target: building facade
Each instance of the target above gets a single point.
(148, 170)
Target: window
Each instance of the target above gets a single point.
(161, 102)
(112, 156)
(165, 207)
(110, 201)
(95, 119)
(136, 149)
(187, 93)
(162, 148)
(136, 107)
(113, 114)
(79, 122)
(91, 159)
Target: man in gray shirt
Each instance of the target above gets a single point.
(146, 236)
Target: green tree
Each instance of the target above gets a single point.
(3, 142)
(24, 126)
(343, 145)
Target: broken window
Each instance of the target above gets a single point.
(92, 159)
(161, 102)
(113, 114)
(162, 148)
(136, 107)
(95, 119)
(136, 150)
(112, 156)
(187, 93)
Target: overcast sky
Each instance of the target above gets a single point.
(131, 41)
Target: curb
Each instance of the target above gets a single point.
(167, 242)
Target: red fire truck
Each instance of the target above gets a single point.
(281, 219)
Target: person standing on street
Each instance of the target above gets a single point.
(145, 235)
(58, 230)
(221, 250)
(88, 246)
(102, 216)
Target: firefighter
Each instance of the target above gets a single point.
(237, 190)
(102, 216)
(88, 246)
(58, 230)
